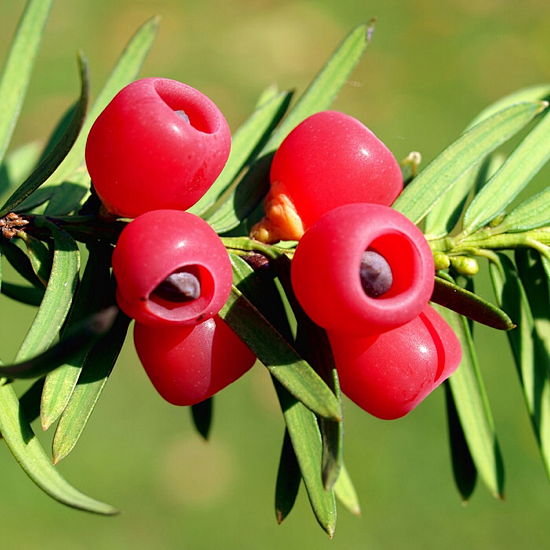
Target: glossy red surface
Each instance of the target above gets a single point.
(142, 155)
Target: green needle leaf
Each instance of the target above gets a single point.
(332, 432)
(464, 468)
(29, 402)
(517, 171)
(261, 288)
(537, 289)
(20, 262)
(345, 492)
(95, 373)
(55, 157)
(24, 446)
(452, 296)
(70, 345)
(529, 347)
(58, 296)
(313, 343)
(288, 480)
(67, 197)
(40, 258)
(530, 93)
(446, 212)
(546, 265)
(470, 148)
(531, 214)
(93, 293)
(279, 356)
(318, 96)
(38, 198)
(473, 409)
(305, 436)
(125, 71)
(17, 71)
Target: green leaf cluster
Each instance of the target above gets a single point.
(462, 197)
(77, 333)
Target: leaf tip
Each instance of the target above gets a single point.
(371, 23)
(155, 20)
(45, 422)
(58, 454)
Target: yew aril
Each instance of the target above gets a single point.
(390, 374)
(189, 364)
(171, 268)
(326, 270)
(159, 144)
(328, 160)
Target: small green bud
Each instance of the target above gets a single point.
(441, 260)
(465, 265)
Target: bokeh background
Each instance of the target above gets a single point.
(431, 66)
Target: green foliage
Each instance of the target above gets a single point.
(18, 68)
(462, 196)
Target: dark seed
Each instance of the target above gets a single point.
(181, 286)
(376, 275)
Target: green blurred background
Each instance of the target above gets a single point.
(432, 65)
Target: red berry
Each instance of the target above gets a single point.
(390, 374)
(143, 154)
(171, 268)
(329, 260)
(328, 160)
(189, 364)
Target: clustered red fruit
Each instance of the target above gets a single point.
(174, 275)
(152, 153)
(361, 270)
(391, 349)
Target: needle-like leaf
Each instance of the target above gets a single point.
(59, 152)
(473, 409)
(17, 71)
(28, 451)
(470, 148)
(531, 355)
